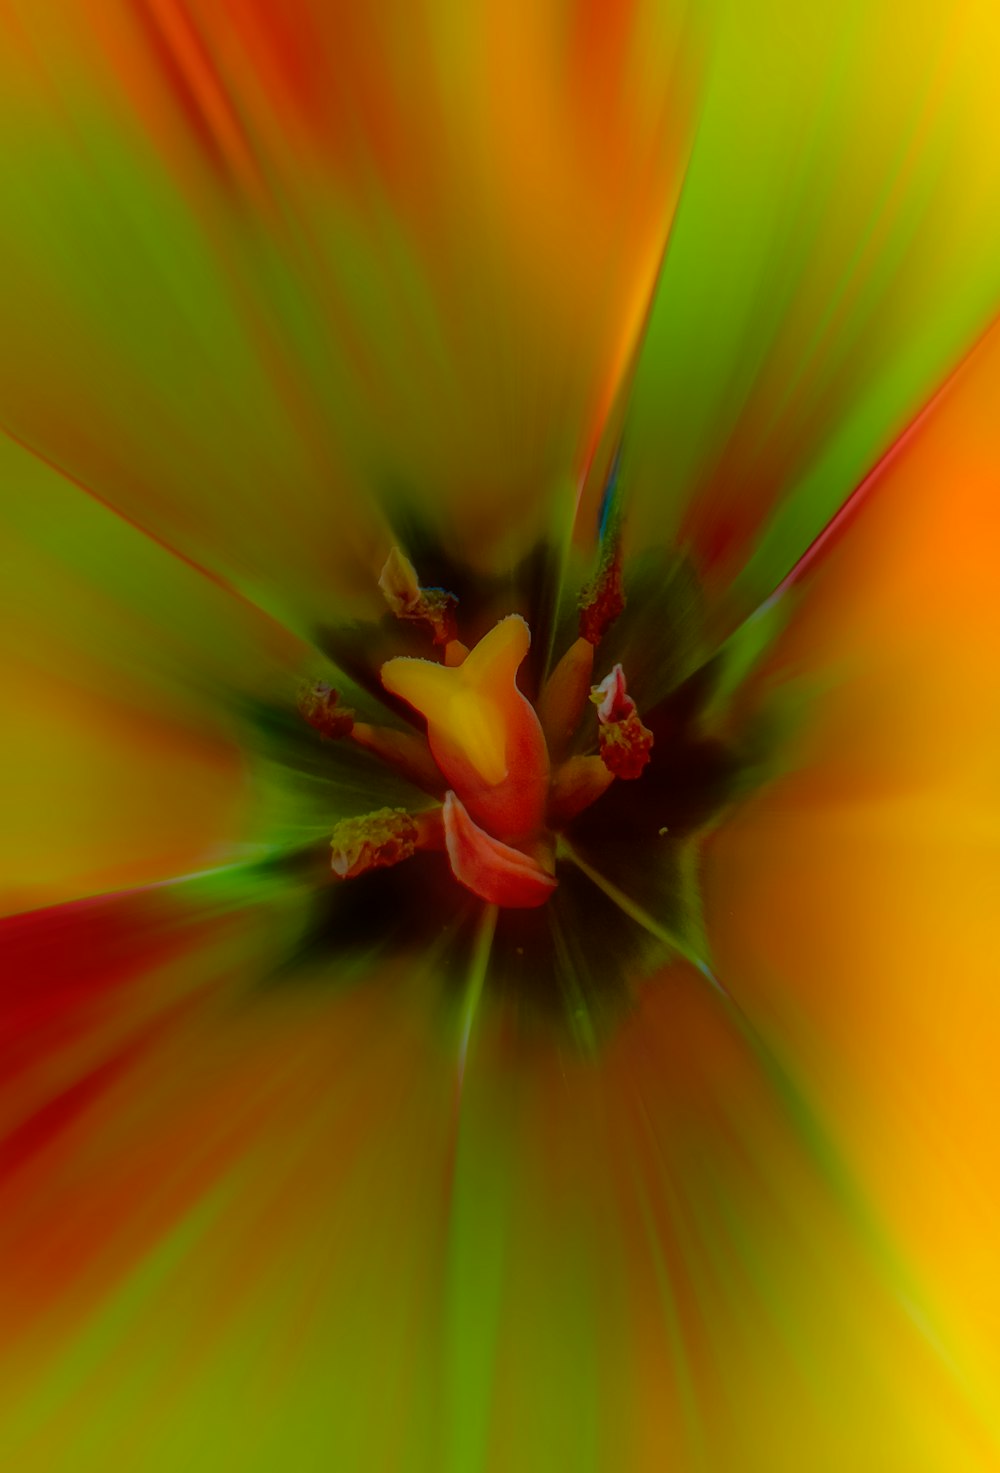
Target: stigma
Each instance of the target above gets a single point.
(483, 733)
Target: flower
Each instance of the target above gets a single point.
(317, 1157)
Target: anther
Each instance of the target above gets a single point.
(604, 599)
(434, 607)
(407, 752)
(320, 705)
(382, 839)
(624, 742)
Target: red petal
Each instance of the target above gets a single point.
(492, 870)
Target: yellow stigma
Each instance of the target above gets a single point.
(468, 703)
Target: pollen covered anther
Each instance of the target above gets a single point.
(382, 839)
(320, 705)
(434, 607)
(604, 599)
(624, 742)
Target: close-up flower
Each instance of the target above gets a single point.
(501, 813)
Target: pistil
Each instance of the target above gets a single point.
(483, 734)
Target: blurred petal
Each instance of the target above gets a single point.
(148, 1178)
(120, 665)
(245, 323)
(305, 1197)
(99, 795)
(833, 258)
(853, 903)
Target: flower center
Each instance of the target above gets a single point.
(509, 789)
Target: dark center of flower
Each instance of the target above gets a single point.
(512, 788)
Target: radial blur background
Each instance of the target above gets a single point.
(275, 280)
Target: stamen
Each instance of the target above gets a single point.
(382, 839)
(407, 600)
(320, 705)
(604, 599)
(611, 697)
(625, 747)
(579, 782)
(406, 752)
(624, 742)
(564, 696)
(455, 652)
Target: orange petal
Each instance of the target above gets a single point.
(492, 870)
